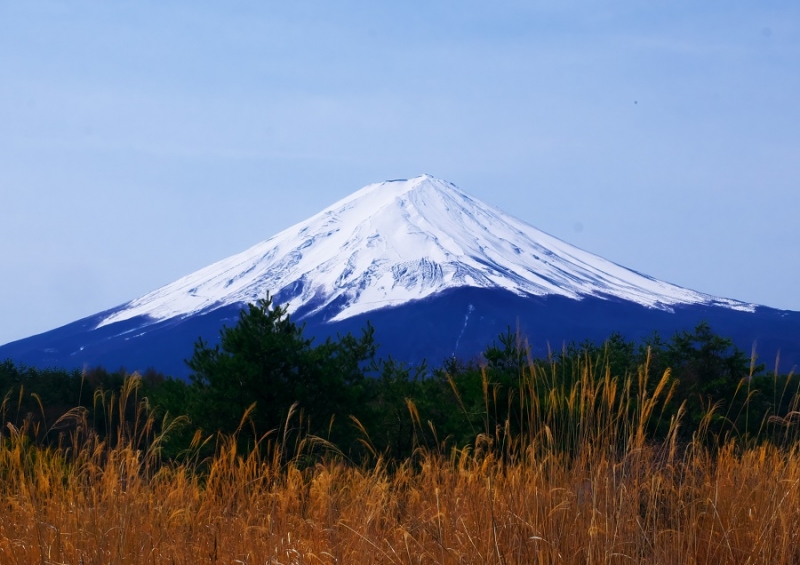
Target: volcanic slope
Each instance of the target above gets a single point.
(437, 271)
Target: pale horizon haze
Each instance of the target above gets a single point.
(141, 141)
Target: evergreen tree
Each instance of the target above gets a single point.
(266, 360)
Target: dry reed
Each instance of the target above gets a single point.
(579, 483)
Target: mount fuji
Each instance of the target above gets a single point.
(437, 272)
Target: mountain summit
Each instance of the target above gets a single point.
(402, 240)
(436, 272)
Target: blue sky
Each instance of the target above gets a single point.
(140, 141)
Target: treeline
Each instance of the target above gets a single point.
(267, 379)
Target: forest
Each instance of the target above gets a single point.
(344, 393)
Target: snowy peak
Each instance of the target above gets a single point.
(396, 241)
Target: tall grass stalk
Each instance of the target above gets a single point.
(572, 477)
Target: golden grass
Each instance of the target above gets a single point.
(581, 483)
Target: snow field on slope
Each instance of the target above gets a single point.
(397, 241)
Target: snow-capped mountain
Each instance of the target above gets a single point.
(436, 271)
(402, 240)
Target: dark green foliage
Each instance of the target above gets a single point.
(43, 396)
(386, 418)
(706, 364)
(363, 405)
(713, 375)
(265, 360)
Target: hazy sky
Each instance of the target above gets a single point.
(140, 141)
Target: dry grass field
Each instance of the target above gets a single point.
(580, 483)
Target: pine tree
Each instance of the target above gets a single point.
(266, 360)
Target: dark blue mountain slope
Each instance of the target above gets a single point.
(460, 322)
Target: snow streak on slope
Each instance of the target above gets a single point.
(403, 240)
